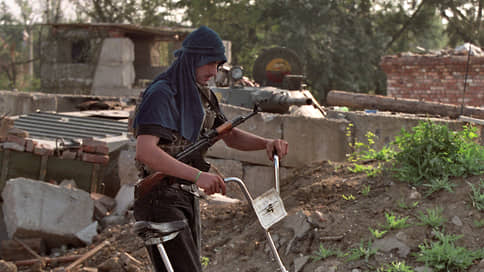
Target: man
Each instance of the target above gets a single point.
(175, 109)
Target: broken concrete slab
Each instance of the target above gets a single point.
(88, 233)
(38, 209)
(124, 199)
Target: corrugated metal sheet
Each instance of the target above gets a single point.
(52, 126)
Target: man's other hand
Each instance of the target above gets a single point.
(280, 146)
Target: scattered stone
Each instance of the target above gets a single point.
(423, 269)
(88, 233)
(113, 220)
(414, 195)
(37, 209)
(300, 262)
(111, 264)
(298, 222)
(402, 236)
(68, 183)
(320, 220)
(456, 221)
(387, 244)
(7, 266)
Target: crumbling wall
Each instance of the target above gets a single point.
(69, 59)
(435, 78)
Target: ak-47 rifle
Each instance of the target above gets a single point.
(192, 154)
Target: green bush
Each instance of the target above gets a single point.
(433, 153)
(443, 255)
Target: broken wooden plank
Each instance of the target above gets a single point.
(86, 256)
(12, 250)
(384, 103)
(47, 260)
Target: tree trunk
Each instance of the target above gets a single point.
(384, 103)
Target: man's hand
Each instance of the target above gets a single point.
(280, 146)
(211, 183)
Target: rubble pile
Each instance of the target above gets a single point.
(12, 138)
(233, 240)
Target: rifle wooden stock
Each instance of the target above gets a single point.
(145, 185)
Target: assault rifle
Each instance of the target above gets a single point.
(192, 154)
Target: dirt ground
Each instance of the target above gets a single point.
(233, 240)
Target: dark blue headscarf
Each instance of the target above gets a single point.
(172, 100)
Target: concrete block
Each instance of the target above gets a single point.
(127, 172)
(260, 179)
(386, 125)
(88, 233)
(17, 103)
(13, 146)
(314, 139)
(124, 199)
(6, 124)
(116, 51)
(15, 139)
(39, 209)
(229, 168)
(263, 124)
(121, 76)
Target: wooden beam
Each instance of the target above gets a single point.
(384, 103)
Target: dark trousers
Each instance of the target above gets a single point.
(166, 203)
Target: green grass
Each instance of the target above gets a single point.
(324, 253)
(377, 233)
(396, 267)
(432, 153)
(444, 255)
(365, 190)
(393, 222)
(361, 252)
(477, 195)
(432, 217)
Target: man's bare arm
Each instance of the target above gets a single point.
(148, 153)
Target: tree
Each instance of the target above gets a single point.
(16, 50)
(141, 12)
(464, 20)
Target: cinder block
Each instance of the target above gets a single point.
(259, 179)
(314, 139)
(116, 51)
(38, 209)
(127, 171)
(15, 139)
(13, 146)
(107, 76)
(263, 124)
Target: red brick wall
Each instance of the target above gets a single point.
(435, 78)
